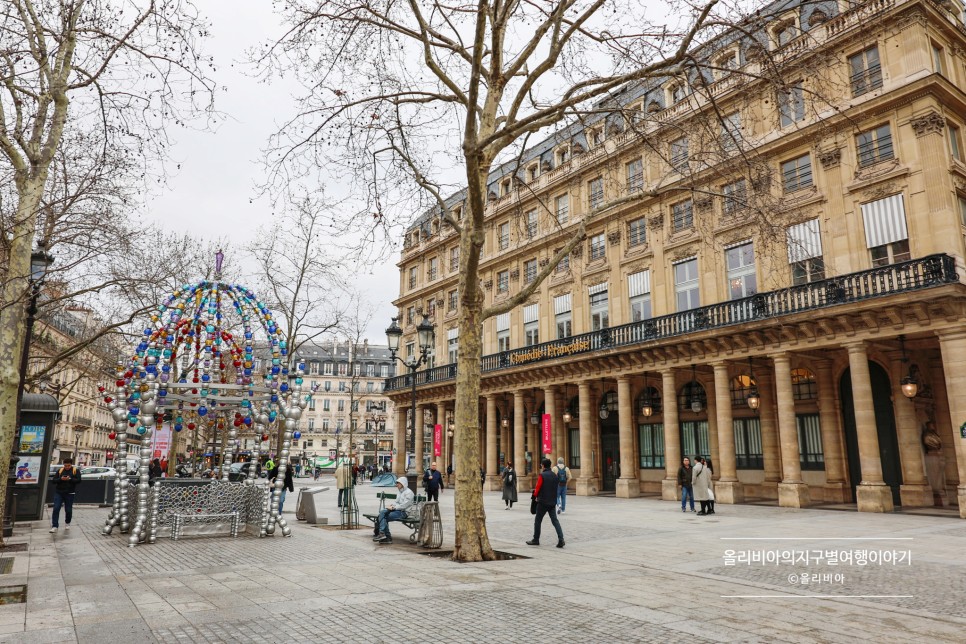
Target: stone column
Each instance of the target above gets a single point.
(953, 347)
(550, 408)
(771, 455)
(728, 489)
(441, 421)
(492, 471)
(399, 435)
(836, 490)
(420, 441)
(629, 483)
(915, 490)
(588, 482)
(792, 491)
(672, 437)
(872, 494)
(519, 441)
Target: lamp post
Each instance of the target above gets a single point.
(426, 332)
(40, 261)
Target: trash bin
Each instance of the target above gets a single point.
(430, 526)
(307, 509)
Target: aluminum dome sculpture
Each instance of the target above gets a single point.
(195, 367)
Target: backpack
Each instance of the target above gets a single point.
(562, 476)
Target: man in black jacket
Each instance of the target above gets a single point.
(65, 480)
(684, 480)
(545, 494)
(432, 482)
(288, 485)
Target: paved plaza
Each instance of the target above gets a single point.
(635, 570)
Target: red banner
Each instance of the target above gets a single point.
(438, 440)
(547, 434)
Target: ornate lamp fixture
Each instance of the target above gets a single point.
(505, 421)
(534, 416)
(603, 411)
(754, 398)
(647, 406)
(694, 401)
(910, 388)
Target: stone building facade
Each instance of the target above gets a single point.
(817, 353)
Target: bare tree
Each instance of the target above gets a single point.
(126, 69)
(400, 94)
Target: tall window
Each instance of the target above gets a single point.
(431, 307)
(635, 175)
(314, 368)
(810, 450)
(573, 446)
(938, 59)
(562, 206)
(805, 252)
(410, 315)
(452, 346)
(639, 292)
(452, 300)
(955, 142)
(327, 368)
(433, 271)
(694, 438)
(890, 253)
(865, 71)
(503, 235)
(311, 422)
(748, 452)
(740, 262)
(531, 221)
(599, 315)
(370, 370)
(784, 34)
(412, 277)
(804, 385)
(531, 333)
(503, 281)
(962, 210)
(874, 145)
(564, 264)
(529, 271)
(734, 197)
(797, 173)
(678, 153)
(384, 371)
(595, 190)
(651, 443)
(454, 259)
(341, 405)
(682, 216)
(886, 233)
(598, 246)
(731, 131)
(503, 340)
(636, 232)
(791, 104)
(562, 315)
(686, 284)
(325, 424)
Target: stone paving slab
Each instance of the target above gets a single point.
(633, 570)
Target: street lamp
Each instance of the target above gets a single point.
(40, 262)
(425, 332)
(754, 398)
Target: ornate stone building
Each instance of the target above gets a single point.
(817, 353)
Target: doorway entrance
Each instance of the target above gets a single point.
(610, 455)
(885, 422)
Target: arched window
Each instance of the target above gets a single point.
(692, 397)
(804, 386)
(652, 397)
(740, 388)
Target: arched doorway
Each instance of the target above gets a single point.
(610, 446)
(885, 422)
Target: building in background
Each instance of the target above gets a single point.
(816, 357)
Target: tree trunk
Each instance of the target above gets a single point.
(13, 320)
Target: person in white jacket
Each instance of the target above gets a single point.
(701, 484)
(403, 507)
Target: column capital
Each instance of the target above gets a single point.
(856, 346)
(623, 378)
(551, 388)
(951, 334)
(783, 356)
(719, 364)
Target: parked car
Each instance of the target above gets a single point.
(96, 473)
(239, 471)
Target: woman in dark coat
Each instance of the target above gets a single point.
(509, 486)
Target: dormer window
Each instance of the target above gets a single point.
(676, 92)
(563, 155)
(505, 186)
(533, 171)
(783, 33)
(726, 64)
(595, 136)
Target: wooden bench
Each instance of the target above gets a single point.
(412, 524)
(178, 521)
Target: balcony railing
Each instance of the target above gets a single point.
(913, 275)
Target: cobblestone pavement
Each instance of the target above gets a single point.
(632, 571)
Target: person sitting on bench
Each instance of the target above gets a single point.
(395, 512)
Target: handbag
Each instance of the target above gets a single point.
(533, 505)
(710, 494)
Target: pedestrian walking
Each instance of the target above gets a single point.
(562, 472)
(154, 471)
(701, 482)
(509, 486)
(707, 463)
(65, 481)
(545, 496)
(432, 482)
(684, 480)
(343, 476)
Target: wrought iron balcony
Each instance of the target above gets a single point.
(884, 281)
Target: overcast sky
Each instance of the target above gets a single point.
(213, 194)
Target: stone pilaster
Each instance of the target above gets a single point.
(727, 489)
(629, 483)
